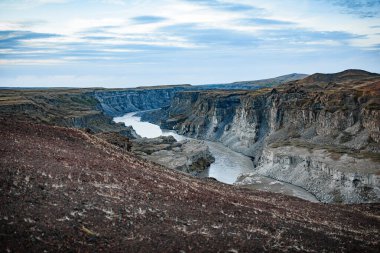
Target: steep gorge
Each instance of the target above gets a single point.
(334, 116)
(320, 133)
(118, 102)
(93, 109)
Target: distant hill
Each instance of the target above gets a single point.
(244, 85)
(347, 75)
(165, 86)
(345, 79)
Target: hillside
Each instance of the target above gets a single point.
(256, 84)
(348, 75)
(65, 190)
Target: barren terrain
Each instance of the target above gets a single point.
(65, 190)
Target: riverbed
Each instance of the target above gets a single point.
(228, 165)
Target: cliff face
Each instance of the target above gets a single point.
(190, 156)
(340, 117)
(329, 177)
(76, 108)
(119, 102)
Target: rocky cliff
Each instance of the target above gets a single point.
(83, 108)
(64, 107)
(119, 102)
(190, 156)
(91, 110)
(338, 113)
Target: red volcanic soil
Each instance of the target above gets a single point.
(65, 190)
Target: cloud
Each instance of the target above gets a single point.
(209, 37)
(265, 21)
(363, 8)
(147, 19)
(49, 1)
(30, 4)
(280, 37)
(303, 35)
(223, 5)
(10, 39)
(117, 2)
(220, 36)
(38, 62)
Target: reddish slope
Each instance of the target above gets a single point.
(61, 190)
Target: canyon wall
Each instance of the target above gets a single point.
(340, 118)
(330, 177)
(118, 102)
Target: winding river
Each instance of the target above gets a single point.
(228, 165)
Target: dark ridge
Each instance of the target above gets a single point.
(274, 80)
(255, 84)
(163, 86)
(349, 74)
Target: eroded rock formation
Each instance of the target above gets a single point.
(119, 102)
(337, 113)
(190, 156)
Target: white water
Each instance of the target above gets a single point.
(145, 129)
(228, 164)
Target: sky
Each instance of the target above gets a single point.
(129, 43)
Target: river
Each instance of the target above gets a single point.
(228, 165)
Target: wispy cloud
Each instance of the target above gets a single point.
(265, 22)
(363, 8)
(223, 5)
(31, 61)
(148, 19)
(9, 39)
(209, 37)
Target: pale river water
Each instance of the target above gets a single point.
(228, 164)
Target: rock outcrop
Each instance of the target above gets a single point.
(190, 156)
(341, 116)
(331, 177)
(76, 108)
(118, 102)
(93, 110)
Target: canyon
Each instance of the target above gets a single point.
(320, 133)
(324, 127)
(73, 178)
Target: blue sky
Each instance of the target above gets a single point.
(127, 43)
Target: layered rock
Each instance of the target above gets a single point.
(342, 114)
(331, 177)
(76, 108)
(119, 102)
(190, 156)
